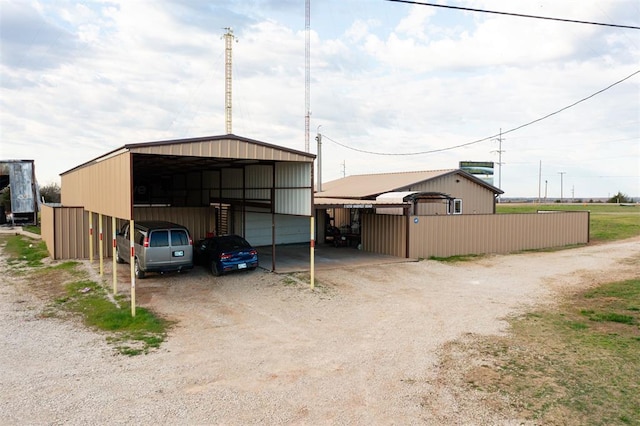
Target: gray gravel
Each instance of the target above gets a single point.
(252, 348)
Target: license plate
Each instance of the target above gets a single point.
(178, 253)
(242, 265)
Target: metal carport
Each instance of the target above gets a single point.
(195, 182)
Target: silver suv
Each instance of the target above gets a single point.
(159, 247)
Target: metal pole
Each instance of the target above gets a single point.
(101, 247)
(312, 254)
(561, 185)
(90, 237)
(113, 257)
(539, 180)
(319, 139)
(132, 260)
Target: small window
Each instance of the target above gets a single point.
(179, 237)
(159, 239)
(457, 206)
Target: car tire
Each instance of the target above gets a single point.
(139, 272)
(214, 269)
(118, 258)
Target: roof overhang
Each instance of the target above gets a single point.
(346, 203)
(413, 196)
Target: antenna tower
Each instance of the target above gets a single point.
(228, 70)
(307, 72)
(499, 151)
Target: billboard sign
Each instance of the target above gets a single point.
(480, 169)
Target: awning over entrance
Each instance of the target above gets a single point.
(346, 203)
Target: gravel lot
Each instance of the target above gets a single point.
(259, 348)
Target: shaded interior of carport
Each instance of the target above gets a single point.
(212, 185)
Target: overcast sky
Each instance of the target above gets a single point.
(81, 78)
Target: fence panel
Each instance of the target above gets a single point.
(444, 236)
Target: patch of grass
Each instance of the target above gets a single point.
(31, 228)
(457, 258)
(24, 251)
(65, 286)
(579, 364)
(608, 221)
(131, 335)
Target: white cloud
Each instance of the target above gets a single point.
(386, 78)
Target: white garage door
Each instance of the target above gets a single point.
(289, 229)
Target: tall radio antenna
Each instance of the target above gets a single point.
(307, 74)
(228, 71)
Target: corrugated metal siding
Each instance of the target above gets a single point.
(293, 190)
(225, 148)
(258, 183)
(384, 234)
(445, 236)
(47, 223)
(71, 231)
(475, 198)
(341, 217)
(107, 234)
(103, 187)
(198, 220)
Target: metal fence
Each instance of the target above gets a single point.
(444, 236)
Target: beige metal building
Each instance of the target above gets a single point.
(439, 213)
(212, 185)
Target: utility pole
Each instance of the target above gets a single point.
(228, 72)
(561, 185)
(307, 74)
(344, 168)
(539, 180)
(546, 185)
(319, 139)
(499, 151)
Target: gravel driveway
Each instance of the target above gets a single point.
(260, 348)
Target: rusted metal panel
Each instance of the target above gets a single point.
(24, 188)
(103, 187)
(445, 236)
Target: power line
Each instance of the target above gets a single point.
(520, 15)
(432, 151)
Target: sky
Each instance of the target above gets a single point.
(393, 87)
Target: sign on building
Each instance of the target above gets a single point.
(480, 169)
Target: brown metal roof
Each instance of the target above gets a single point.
(372, 185)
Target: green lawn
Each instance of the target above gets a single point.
(608, 221)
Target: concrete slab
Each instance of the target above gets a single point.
(296, 258)
(15, 230)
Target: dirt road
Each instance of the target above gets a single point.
(260, 348)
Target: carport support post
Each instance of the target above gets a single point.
(132, 261)
(90, 236)
(113, 257)
(312, 255)
(101, 248)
